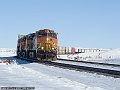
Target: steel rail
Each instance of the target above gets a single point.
(107, 64)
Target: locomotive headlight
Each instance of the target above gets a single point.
(42, 48)
(52, 48)
(47, 39)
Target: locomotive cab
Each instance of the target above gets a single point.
(46, 44)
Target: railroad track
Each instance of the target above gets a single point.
(87, 62)
(106, 72)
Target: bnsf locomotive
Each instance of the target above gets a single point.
(41, 45)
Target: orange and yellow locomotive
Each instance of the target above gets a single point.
(41, 45)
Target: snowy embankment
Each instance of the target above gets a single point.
(5, 52)
(44, 77)
(111, 56)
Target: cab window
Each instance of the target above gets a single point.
(52, 35)
(30, 36)
(41, 34)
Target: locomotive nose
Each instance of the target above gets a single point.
(47, 44)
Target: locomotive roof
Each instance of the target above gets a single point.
(47, 31)
(42, 30)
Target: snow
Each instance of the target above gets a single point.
(5, 52)
(44, 77)
(109, 56)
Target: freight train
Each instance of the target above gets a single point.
(75, 50)
(41, 45)
(65, 50)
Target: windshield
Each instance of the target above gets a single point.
(41, 34)
(23, 39)
(52, 35)
(30, 36)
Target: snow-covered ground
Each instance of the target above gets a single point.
(111, 56)
(5, 52)
(44, 77)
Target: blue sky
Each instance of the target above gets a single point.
(80, 23)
